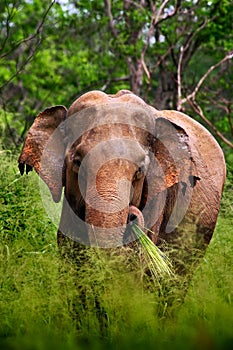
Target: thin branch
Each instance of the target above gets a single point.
(108, 11)
(162, 58)
(192, 96)
(32, 49)
(32, 36)
(173, 45)
(190, 45)
(181, 58)
(184, 49)
(199, 111)
(164, 3)
(147, 42)
(9, 17)
(179, 91)
(150, 31)
(195, 32)
(22, 66)
(225, 106)
(146, 70)
(173, 13)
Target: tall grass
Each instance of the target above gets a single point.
(108, 302)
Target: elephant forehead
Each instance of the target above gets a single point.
(108, 114)
(124, 113)
(105, 134)
(94, 98)
(113, 148)
(107, 131)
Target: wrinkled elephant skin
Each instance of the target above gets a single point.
(121, 160)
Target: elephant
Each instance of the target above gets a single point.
(120, 162)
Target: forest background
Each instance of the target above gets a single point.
(175, 55)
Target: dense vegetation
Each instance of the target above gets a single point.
(174, 54)
(42, 297)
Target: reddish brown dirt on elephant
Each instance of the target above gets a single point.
(120, 162)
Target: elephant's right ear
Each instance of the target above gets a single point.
(45, 153)
(173, 152)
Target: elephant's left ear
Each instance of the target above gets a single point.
(43, 149)
(173, 153)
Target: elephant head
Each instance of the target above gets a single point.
(121, 160)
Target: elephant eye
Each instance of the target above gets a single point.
(139, 173)
(77, 162)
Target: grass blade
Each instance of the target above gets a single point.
(157, 261)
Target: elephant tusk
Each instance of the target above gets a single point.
(136, 212)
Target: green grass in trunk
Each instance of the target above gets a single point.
(157, 261)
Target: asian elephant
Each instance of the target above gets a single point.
(121, 160)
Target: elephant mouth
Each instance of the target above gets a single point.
(135, 216)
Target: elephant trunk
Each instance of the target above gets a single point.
(106, 230)
(135, 213)
(108, 209)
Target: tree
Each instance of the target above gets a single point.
(164, 51)
(21, 37)
(164, 41)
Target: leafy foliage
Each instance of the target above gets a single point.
(52, 52)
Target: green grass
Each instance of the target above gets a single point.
(109, 302)
(156, 260)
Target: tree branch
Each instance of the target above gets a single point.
(32, 49)
(169, 15)
(9, 17)
(108, 11)
(147, 42)
(184, 49)
(225, 105)
(199, 111)
(192, 96)
(179, 91)
(164, 3)
(32, 36)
